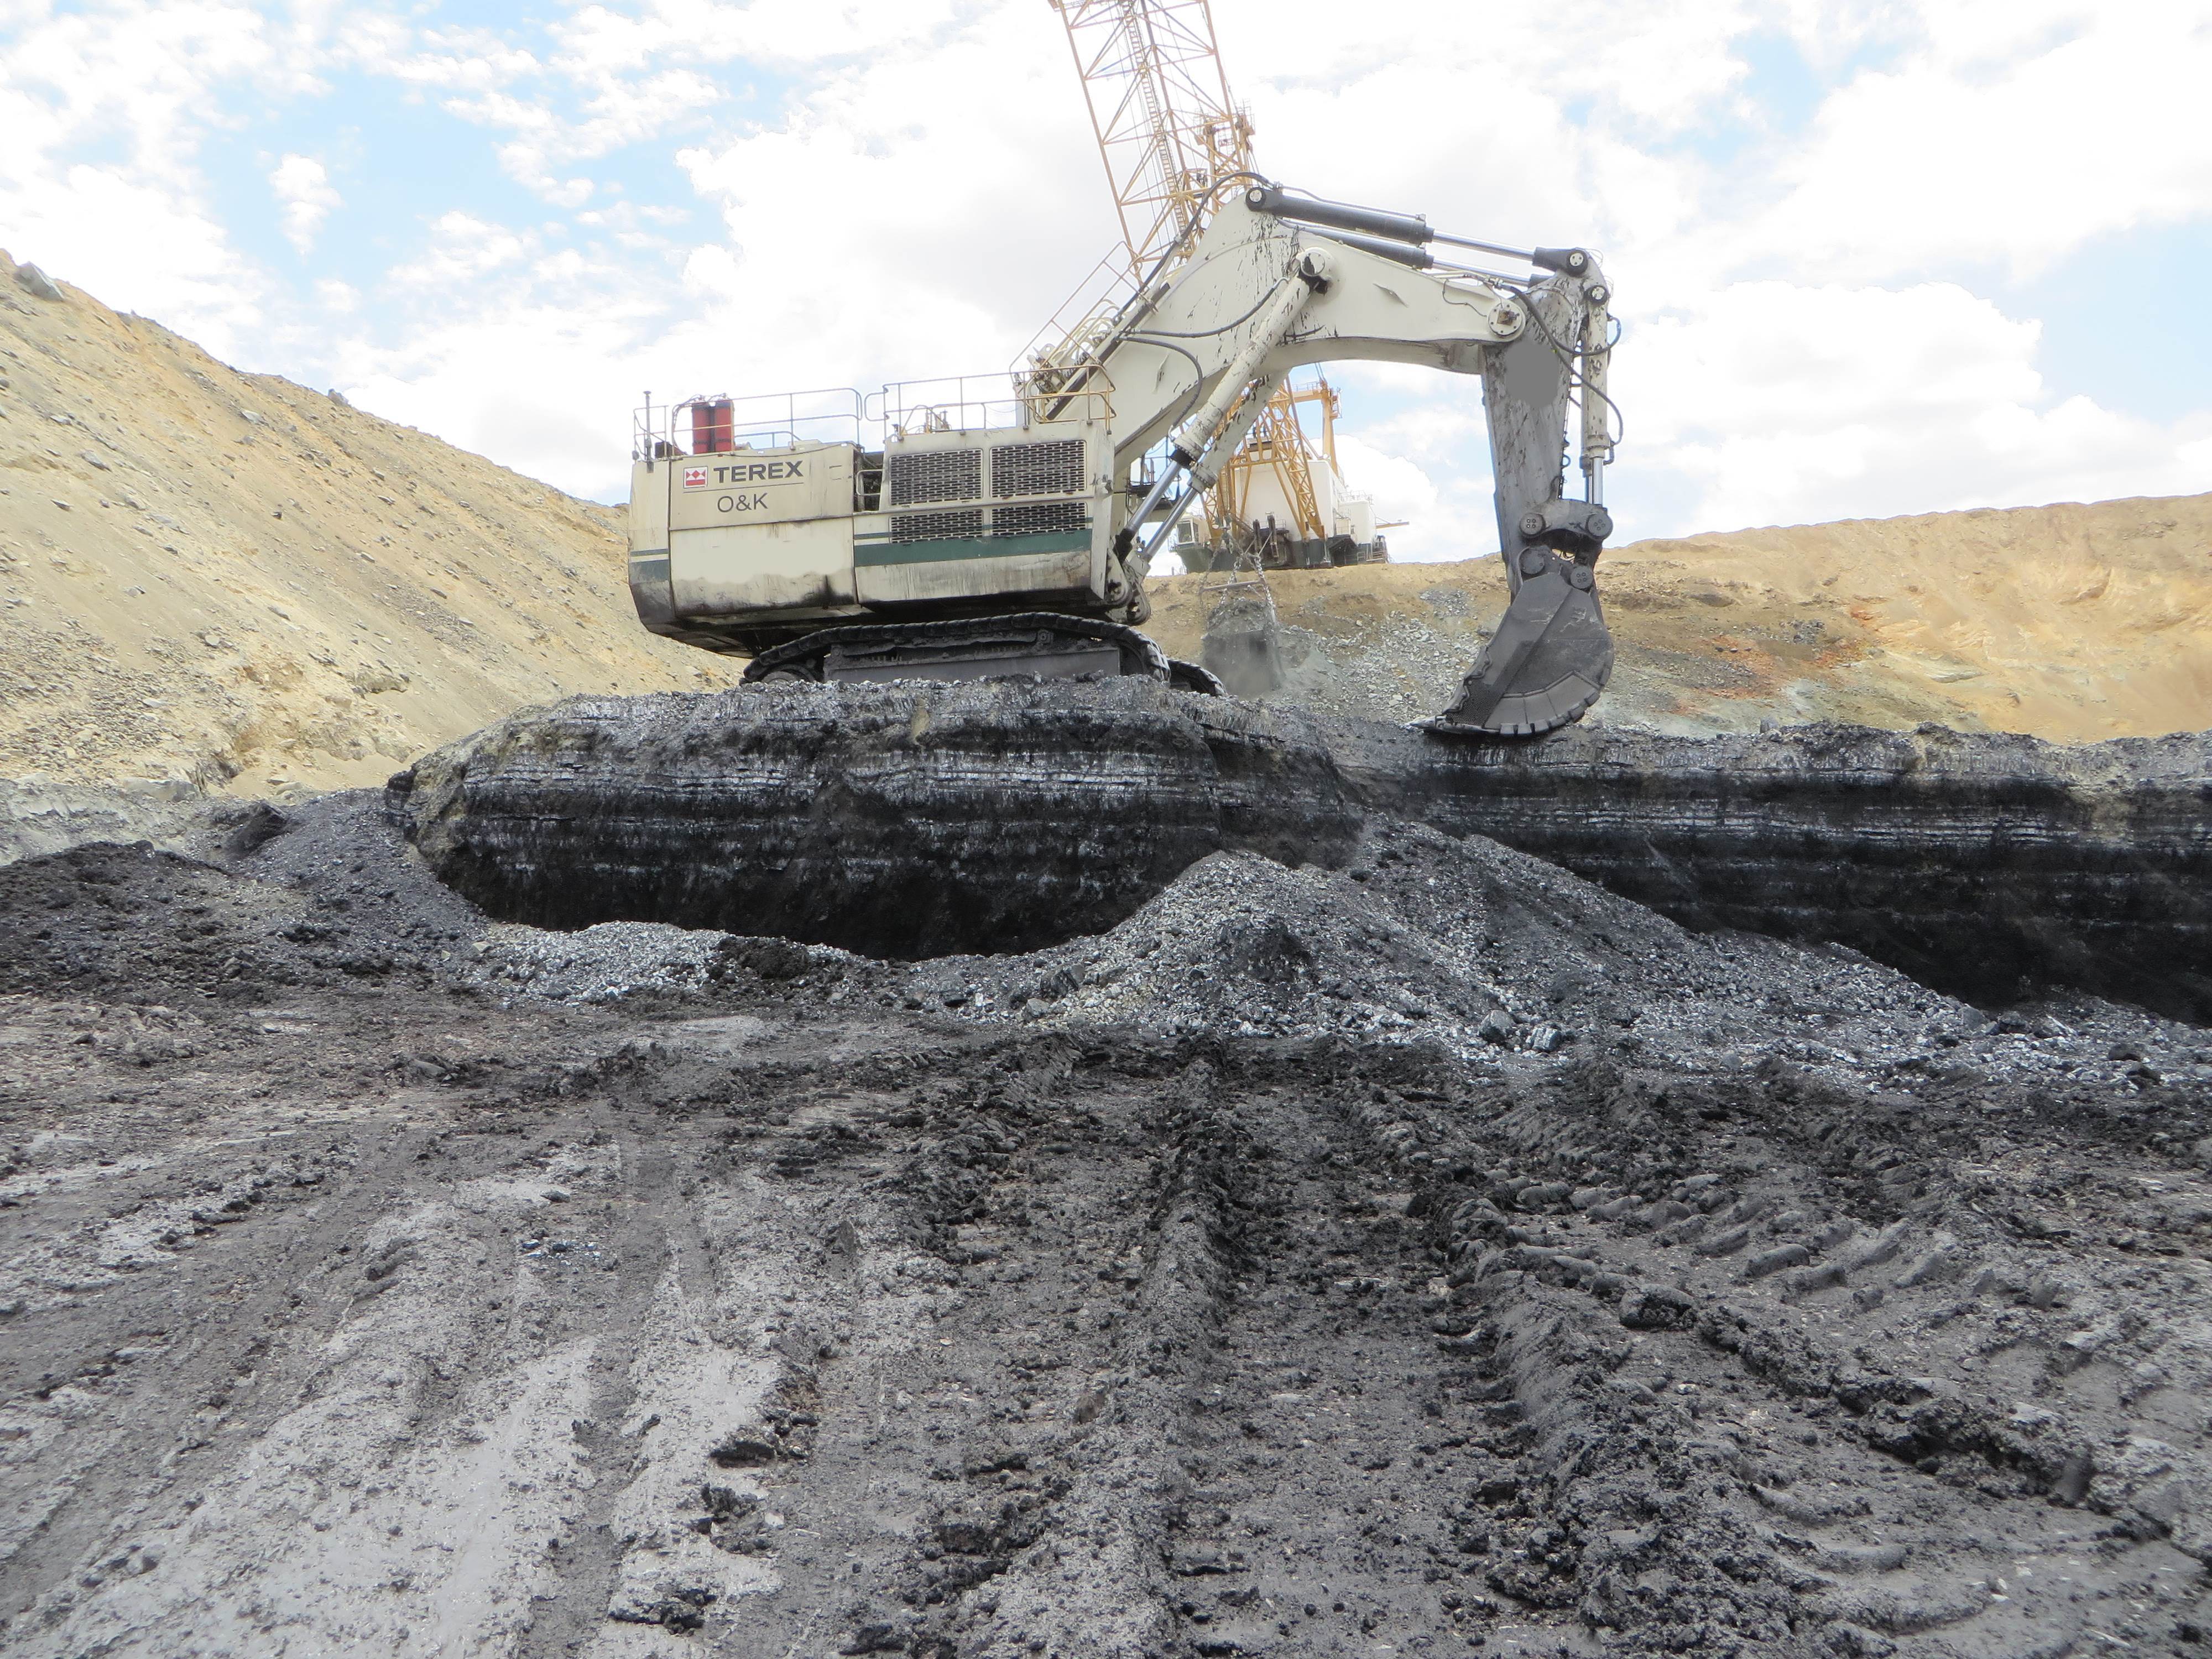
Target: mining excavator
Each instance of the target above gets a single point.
(1006, 527)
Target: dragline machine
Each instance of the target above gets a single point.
(1007, 530)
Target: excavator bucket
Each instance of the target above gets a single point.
(1551, 655)
(1545, 666)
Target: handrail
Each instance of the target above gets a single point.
(995, 400)
(1073, 333)
(818, 415)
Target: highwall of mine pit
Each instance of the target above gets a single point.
(915, 820)
(216, 583)
(2076, 622)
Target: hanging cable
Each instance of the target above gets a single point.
(1568, 358)
(1197, 369)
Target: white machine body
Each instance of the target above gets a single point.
(1047, 499)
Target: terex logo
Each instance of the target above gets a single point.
(757, 472)
(695, 477)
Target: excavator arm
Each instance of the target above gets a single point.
(1276, 282)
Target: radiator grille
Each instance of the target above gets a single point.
(936, 526)
(1044, 469)
(933, 475)
(1028, 520)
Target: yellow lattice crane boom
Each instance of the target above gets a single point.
(1174, 141)
(1160, 108)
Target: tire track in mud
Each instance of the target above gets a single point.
(653, 1237)
(993, 1470)
(759, 1340)
(241, 1316)
(1243, 1349)
(411, 1333)
(1899, 1513)
(1070, 1539)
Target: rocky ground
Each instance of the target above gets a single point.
(1436, 1253)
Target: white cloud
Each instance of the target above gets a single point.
(462, 249)
(918, 216)
(617, 113)
(2013, 135)
(1402, 489)
(94, 226)
(599, 42)
(1428, 464)
(1787, 403)
(102, 114)
(1837, 389)
(460, 61)
(303, 187)
(1822, 304)
(544, 387)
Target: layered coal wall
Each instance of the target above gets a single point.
(1986, 865)
(915, 820)
(901, 820)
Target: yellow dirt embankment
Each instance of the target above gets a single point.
(2073, 622)
(226, 579)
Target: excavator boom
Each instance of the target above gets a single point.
(1354, 283)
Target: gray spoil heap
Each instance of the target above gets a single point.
(915, 820)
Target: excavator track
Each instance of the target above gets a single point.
(1042, 644)
(1550, 657)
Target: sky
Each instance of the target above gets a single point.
(1871, 256)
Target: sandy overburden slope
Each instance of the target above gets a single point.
(219, 579)
(2074, 622)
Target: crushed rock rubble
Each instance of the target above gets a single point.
(615, 960)
(1423, 940)
(1466, 944)
(1239, 944)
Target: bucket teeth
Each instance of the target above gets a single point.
(1542, 669)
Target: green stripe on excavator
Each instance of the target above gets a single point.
(970, 547)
